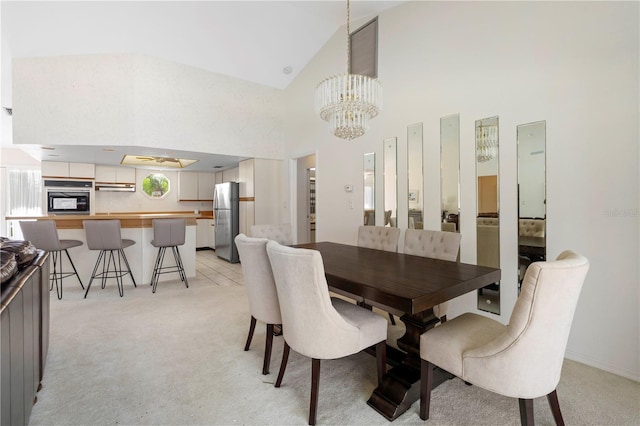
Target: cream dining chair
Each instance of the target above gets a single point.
(279, 233)
(436, 245)
(379, 238)
(521, 360)
(261, 290)
(314, 324)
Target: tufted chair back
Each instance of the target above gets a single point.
(531, 227)
(436, 245)
(279, 233)
(433, 244)
(488, 221)
(378, 237)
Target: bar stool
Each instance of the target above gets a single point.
(43, 234)
(104, 235)
(168, 233)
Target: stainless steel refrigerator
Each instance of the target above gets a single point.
(227, 219)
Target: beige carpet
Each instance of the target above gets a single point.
(176, 358)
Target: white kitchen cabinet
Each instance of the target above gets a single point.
(219, 177)
(202, 233)
(188, 186)
(54, 169)
(195, 186)
(114, 174)
(206, 182)
(60, 169)
(259, 188)
(82, 170)
(230, 175)
(212, 234)
(245, 177)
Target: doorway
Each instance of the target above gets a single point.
(306, 199)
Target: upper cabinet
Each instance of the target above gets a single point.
(60, 169)
(230, 175)
(115, 174)
(196, 186)
(245, 177)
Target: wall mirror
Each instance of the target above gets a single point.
(532, 195)
(415, 176)
(370, 189)
(450, 172)
(390, 182)
(488, 217)
(155, 185)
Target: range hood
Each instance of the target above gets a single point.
(115, 187)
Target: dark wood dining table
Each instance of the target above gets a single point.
(410, 284)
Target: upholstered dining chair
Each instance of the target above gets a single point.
(261, 290)
(379, 238)
(314, 324)
(104, 235)
(279, 233)
(436, 245)
(168, 233)
(521, 360)
(43, 234)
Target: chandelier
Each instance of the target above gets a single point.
(348, 101)
(486, 142)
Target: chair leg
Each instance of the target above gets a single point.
(381, 360)
(74, 269)
(57, 272)
(267, 349)
(183, 274)
(392, 319)
(252, 327)
(126, 262)
(526, 411)
(283, 364)
(315, 385)
(426, 383)
(555, 408)
(156, 269)
(93, 274)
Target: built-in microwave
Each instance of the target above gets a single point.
(66, 196)
(68, 202)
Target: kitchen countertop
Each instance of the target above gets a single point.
(127, 220)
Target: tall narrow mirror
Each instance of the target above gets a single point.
(532, 196)
(370, 189)
(390, 182)
(450, 172)
(488, 217)
(415, 176)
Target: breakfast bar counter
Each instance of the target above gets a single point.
(134, 226)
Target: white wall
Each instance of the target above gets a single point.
(573, 64)
(139, 100)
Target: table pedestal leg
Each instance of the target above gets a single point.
(400, 386)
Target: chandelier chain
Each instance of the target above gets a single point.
(348, 38)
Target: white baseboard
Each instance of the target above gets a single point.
(629, 374)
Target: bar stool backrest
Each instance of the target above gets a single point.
(168, 232)
(43, 234)
(103, 234)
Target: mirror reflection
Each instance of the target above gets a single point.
(488, 218)
(415, 176)
(369, 189)
(532, 198)
(450, 172)
(390, 182)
